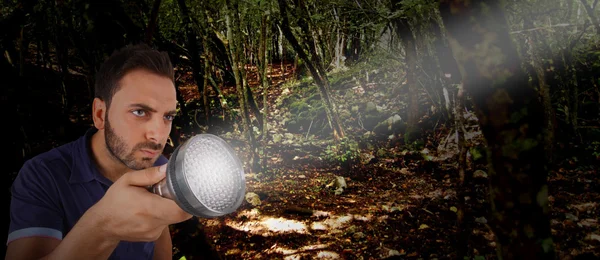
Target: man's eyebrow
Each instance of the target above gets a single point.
(148, 108)
(172, 112)
(143, 106)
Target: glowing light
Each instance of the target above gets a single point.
(284, 225)
(293, 253)
(318, 226)
(268, 226)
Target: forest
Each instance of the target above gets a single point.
(369, 129)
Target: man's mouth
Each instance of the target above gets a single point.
(149, 153)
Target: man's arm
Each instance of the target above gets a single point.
(163, 247)
(86, 240)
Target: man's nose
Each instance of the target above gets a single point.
(155, 129)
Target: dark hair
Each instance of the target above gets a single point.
(130, 57)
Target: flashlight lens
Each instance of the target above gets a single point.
(213, 173)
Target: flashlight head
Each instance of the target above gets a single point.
(205, 177)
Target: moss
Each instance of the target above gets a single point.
(478, 153)
(298, 107)
(412, 136)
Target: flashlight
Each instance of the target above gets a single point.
(204, 177)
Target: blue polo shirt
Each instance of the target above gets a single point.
(54, 189)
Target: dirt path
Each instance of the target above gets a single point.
(399, 205)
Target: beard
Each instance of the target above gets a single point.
(118, 149)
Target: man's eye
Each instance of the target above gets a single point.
(139, 112)
(170, 117)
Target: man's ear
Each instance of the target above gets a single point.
(99, 113)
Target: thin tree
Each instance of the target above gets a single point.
(315, 70)
(512, 122)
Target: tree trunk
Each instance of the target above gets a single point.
(450, 76)
(511, 118)
(281, 52)
(322, 82)
(408, 44)
(152, 22)
(263, 63)
(235, 50)
(544, 88)
(464, 216)
(207, 73)
(591, 14)
(569, 10)
(193, 48)
(62, 53)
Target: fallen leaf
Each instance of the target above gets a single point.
(585, 206)
(423, 226)
(453, 209)
(593, 237)
(589, 222)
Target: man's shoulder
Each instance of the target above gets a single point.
(57, 160)
(57, 154)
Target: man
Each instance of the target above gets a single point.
(88, 199)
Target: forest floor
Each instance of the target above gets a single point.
(398, 203)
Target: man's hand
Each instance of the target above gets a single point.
(128, 211)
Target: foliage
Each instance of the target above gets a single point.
(346, 152)
(594, 148)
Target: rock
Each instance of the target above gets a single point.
(393, 253)
(371, 107)
(481, 220)
(370, 121)
(365, 158)
(351, 229)
(277, 138)
(480, 174)
(339, 184)
(358, 235)
(253, 199)
(449, 193)
(570, 216)
(344, 114)
(394, 119)
(392, 124)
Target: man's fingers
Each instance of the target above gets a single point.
(145, 177)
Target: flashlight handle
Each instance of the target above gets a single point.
(161, 188)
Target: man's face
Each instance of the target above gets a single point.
(138, 121)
